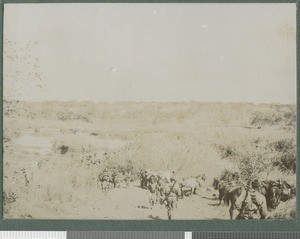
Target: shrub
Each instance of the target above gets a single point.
(9, 197)
(285, 154)
(259, 156)
(271, 118)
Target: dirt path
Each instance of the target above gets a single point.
(132, 203)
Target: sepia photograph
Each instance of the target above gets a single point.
(149, 111)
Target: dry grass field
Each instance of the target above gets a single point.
(54, 152)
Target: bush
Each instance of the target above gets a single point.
(9, 197)
(285, 154)
(226, 151)
(259, 156)
(273, 118)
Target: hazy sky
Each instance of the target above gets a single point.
(151, 52)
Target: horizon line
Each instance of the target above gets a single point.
(151, 102)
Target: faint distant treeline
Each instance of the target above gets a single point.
(200, 114)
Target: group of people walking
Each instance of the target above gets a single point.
(252, 199)
(164, 192)
(110, 179)
(166, 189)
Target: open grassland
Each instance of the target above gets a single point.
(54, 152)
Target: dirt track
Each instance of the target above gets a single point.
(133, 203)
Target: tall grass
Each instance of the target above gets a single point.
(188, 138)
